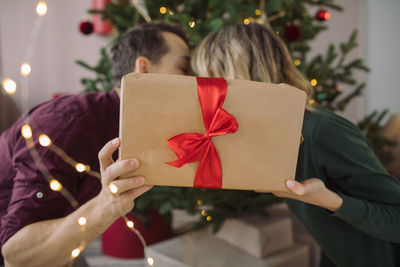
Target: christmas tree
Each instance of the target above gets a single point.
(293, 22)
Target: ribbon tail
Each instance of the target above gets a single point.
(209, 171)
(187, 147)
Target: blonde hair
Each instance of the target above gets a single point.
(248, 52)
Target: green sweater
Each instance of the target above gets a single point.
(365, 231)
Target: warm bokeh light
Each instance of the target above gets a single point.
(80, 167)
(26, 131)
(25, 69)
(75, 253)
(312, 101)
(257, 12)
(246, 21)
(9, 86)
(44, 140)
(204, 212)
(297, 62)
(41, 8)
(170, 12)
(199, 202)
(209, 218)
(113, 188)
(163, 10)
(130, 224)
(150, 261)
(82, 221)
(327, 15)
(55, 185)
(192, 23)
(313, 82)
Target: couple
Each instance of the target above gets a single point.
(352, 209)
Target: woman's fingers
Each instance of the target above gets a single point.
(295, 187)
(123, 185)
(105, 154)
(119, 168)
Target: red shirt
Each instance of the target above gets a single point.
(80, 125)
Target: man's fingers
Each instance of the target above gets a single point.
(119, 168)
(105, 154)
(135, 193)
(124, 185)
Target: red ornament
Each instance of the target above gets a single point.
(322, 15)
(100, 26)
(292, 32)
(86, 27)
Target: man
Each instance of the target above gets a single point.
(38, 226)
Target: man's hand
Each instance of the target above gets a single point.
(312, 191)
(118, 195)
(58, 237)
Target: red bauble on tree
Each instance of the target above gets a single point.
(292, 32)
(86, 27)
(322, 15)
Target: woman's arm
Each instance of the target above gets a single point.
(371, 197)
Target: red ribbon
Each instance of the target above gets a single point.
(193, 147)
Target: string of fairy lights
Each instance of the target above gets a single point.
(55, 185)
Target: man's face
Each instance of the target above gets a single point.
(176, 60)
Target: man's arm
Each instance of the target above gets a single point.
(50, 242)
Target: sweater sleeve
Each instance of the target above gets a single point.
(371, 197)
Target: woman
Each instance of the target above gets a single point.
(353, 208)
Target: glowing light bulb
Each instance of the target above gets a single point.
(199, 202)
(246, 21)
(209, 218)
(55, 185)
(82, 221)
(9, 86)
(80, 167)
(163, 10)
(257, 12)
(192, 23)
(26, 131)
(327, 15)
(41, 8)
(75, 253)
(130, 224)
(25, 69)
(150, 261)
(113, 188)
(204, 212)
(44, 140)
(313, 82)
(297, 62)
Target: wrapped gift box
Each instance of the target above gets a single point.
(257, 235)
(202, 249)
(260, 155)
(300, 233)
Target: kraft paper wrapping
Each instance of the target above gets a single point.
(261, 155)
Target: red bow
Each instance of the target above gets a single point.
(193, 147)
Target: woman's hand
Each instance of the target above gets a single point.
(312, 191)
(118, 195)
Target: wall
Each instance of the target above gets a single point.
(58, 45)
(382, 46)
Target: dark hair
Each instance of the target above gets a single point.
(143, 40)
